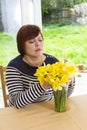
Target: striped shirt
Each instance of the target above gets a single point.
(23, 87)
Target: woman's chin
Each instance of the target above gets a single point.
(38, 53)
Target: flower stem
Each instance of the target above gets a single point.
(60, 100)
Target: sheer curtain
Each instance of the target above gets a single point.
(14, 13)
(10, 15)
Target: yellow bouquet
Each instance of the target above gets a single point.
(56, 74)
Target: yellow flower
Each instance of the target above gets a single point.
(57, 74)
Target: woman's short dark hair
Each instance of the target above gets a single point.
(26, 32)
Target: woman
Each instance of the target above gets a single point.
(23, 86)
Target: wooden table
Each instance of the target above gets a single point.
(42, 116)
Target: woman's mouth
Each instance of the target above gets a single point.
(38, 50)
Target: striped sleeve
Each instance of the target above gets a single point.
(19, 97)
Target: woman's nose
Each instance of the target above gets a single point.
(36, 42)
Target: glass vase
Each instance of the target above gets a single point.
(60, 100)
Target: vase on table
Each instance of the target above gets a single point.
(60, 100)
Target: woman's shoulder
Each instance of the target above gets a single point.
(18, 64)
(15, 61)
(50, 59)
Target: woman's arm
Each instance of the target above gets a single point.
(71, 85)
(19, 97)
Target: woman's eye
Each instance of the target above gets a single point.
(40, 40)
(31, 42)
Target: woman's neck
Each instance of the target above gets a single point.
(34, 61)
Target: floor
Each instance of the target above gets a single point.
(80, 87)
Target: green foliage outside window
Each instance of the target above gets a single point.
(53, 10)
(49, 4)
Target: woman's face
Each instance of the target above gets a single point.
(34, 47)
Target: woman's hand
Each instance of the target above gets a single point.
(46, 85)
(71, 81)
